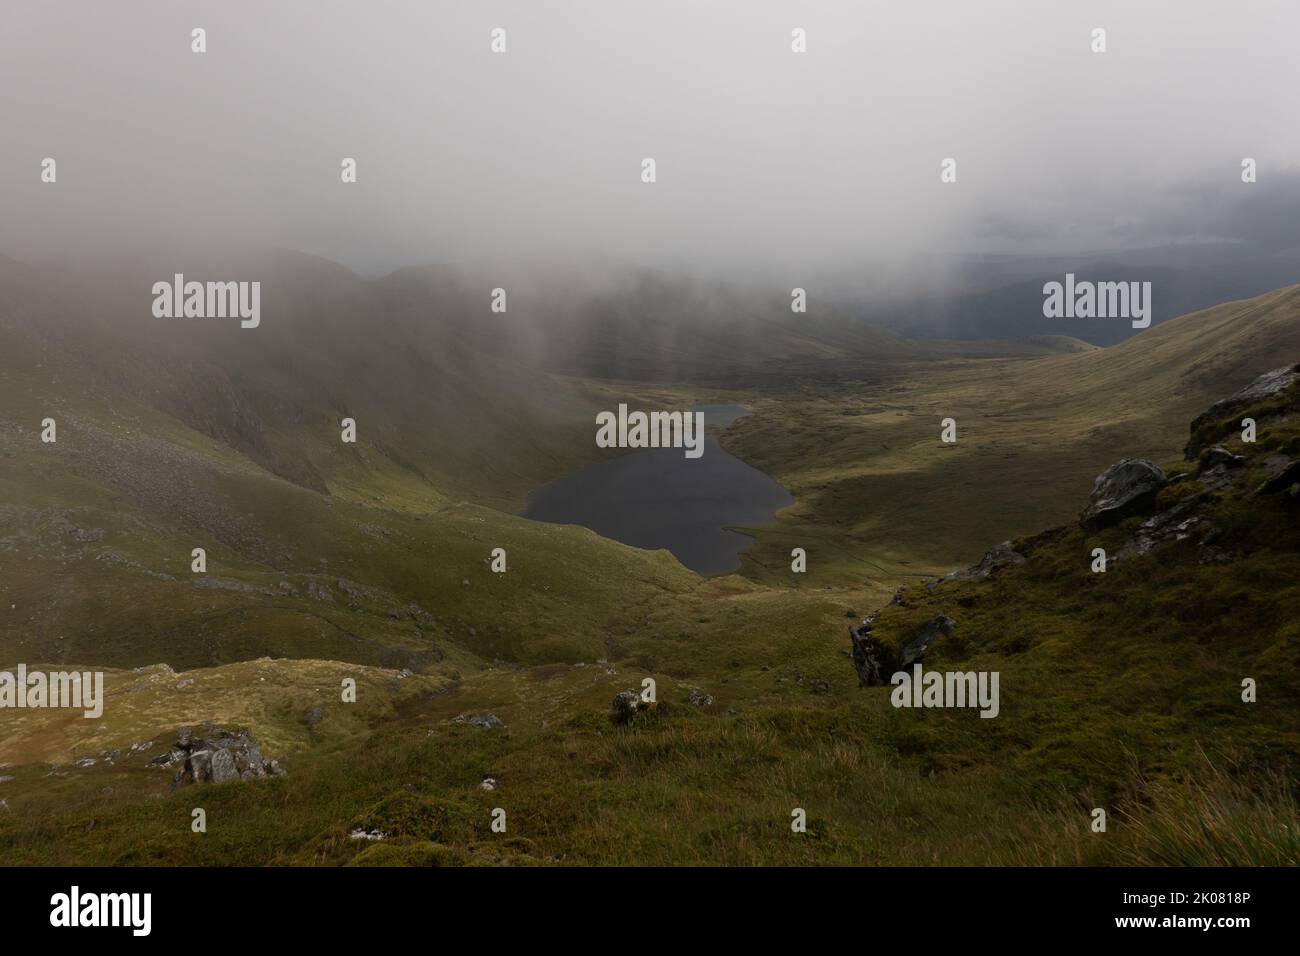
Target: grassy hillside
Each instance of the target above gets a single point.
(879, 495)
(370, 561)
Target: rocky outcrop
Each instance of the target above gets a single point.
(999, 556)
(626, 706)
(1284, 480)
(1266, 386)
(1213, 424)
(219, 756)
(869, 657)
(914, 649)
(1124, 489)
(485, 720)
(1176, 524)
(874, 661)
(1219, 457)
(1198, 518)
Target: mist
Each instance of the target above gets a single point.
(768, 162)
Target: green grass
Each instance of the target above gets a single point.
(1115, 687)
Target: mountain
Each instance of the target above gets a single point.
(882, 496)
(370, 562)
(1121, 692)
(992, 297)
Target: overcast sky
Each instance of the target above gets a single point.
(766, 159)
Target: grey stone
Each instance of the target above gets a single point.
(1218, 455)
(484, 720)
(868, 655)
(1173, 525)
(1282, 481)
(1266, 386)
(248, 761)
(1126, 488)
(997, 557)
(223, 767)
(198, 767)
(168, 759)
(625, 706)
(218, 756)
(1212, 419)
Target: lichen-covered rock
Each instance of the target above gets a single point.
(876, 663)
(1212, 425)
(1266, 386)
(168, 759)
(485, 720)
(219, 756)
(869, 658)
(1217, 467)
(1176, 524)
(1126, 488)
(223, 767)
(625, 706)
(997, 557)
(198, 767)
(1282, 480)
(1219, 456)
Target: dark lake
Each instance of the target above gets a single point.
(658, 498)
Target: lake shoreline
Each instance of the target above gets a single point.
(658, 499)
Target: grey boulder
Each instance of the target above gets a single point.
(223, 767)
(1126, 488)
(995, 559)
(625, 706)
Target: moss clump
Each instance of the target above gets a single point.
(406, 814)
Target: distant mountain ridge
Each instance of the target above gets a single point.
(1005, 300)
